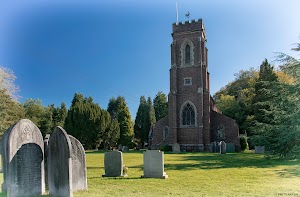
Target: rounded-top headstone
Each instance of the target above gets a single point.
(60, 163)
(176, 148)
(79, 178)
(22, 148)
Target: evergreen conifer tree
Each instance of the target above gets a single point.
(119, 111)
(140, 118)
(160, 105)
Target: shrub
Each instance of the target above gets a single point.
(166, 148)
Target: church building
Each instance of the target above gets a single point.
(193, 120)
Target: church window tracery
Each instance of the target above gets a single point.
(188, 115)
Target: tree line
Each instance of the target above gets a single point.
(265, 102)
(94, 126)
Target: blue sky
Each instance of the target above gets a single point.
(104, 49)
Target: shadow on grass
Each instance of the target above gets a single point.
(103, 151)
(94, 168)
(209, 161)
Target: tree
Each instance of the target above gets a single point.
(59, 115)
(235, 99)
(281, 134)
(85, 121)
(144, 118)
(7, 79)
(39, 115)
(140, 118)
(112, 134)
(160, 105)
(119, 111)
(10, 111)
(149, 119)
(264, 91)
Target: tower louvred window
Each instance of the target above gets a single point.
(187, 54)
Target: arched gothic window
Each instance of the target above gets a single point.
(187, 54)
(165, 133)
(221, 131)
(188, 115)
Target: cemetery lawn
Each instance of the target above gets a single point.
(197, 174)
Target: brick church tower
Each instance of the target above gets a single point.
(189, 103)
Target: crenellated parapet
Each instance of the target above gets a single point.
(193, 25)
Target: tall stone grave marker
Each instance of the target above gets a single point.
(79, 179)
(222, 147)
(22, 148)
(154, 164)
(46, 142)
(60, 163)
(113, 164)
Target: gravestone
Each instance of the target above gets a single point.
(1, 170)
(176, 148)
(230, 148)
(46, 142)
(154, 164)
(79, 179)
(259, 149)
(222, 146)
(120, 147)
(125, 149)
(60, 163)
(22, 148)
(113, 164)
(213, 147)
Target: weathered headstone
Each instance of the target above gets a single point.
(120, 147)
(259, 149)
(214, 147)
(125, 149)
(230, 148)
(1, 170)
(22, 148)
(154, 164)
(113, 164)
(60, 164)
(176, 148)
(222, 145)
(79, 179)
(46, 142)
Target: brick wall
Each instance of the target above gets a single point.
(231, 128)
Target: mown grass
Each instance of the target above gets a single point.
(197, 174)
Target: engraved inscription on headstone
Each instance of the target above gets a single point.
(22, 148)
(60, 163)
(79, 179)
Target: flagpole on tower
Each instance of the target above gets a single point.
(176, 13)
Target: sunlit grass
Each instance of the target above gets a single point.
(197, 174)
